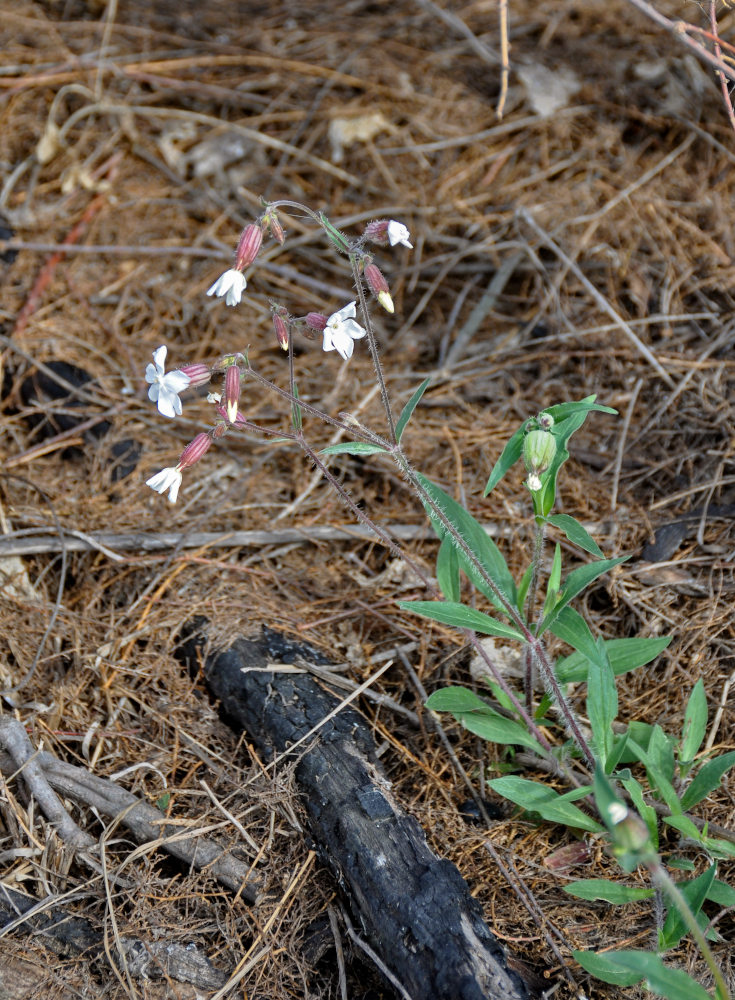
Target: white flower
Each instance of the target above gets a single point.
(342, 330)
(229, 286)
(165, 388)
(397, 233)
(167, 479)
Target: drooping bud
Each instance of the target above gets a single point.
(539, 449)
(378, 286)
(388, 231)
(248, 246)
(377, 232)
(272, 223)
(232, 391)
(282, 326)
(198, 374)
(316, 321)
(195, 450)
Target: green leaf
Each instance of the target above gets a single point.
(661, 753)
(576, 582)
(461, 616)
(695, 723)
(611, 892)
(707, 779)
(605, 968)
(479, 718)
(721, 893)
(551, 806)
(624, 655)
(657, 777)
(297, 416)
(410, 407)
(523, 588)
(455, 699)
(337, 238)
(632, 966)
(646, 812)
(447, 570)
(602, 705)
(562, 410)
(554, 583)
(510, 455)
(486, 552)
(685, 825)
(576, 534)
(353, 448)
(694, 892)
(570, 627)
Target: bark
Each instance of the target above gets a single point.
(414, 908)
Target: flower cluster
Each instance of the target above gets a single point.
(339, 332)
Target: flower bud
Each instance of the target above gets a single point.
(539, 449)
(315, 321)
(232, 391)
(198, 374)
(248, 246)
(194, 450)
(377, 232)
(388, 231)
(271, 222)
(629, 833)
(280, 325)
(545, 421)
(378, 286)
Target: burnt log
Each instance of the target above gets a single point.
(414, 908)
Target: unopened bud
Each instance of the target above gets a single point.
(248, 246)
(545, 421)
(378, 286)
(280, 325)
(270, 219)
(629, 833)
(232, 391)
(377, 232)
(315, 321)
(539, 449)
(195, 450)
(198, 374)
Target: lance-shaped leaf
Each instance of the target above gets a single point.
(461, 616)
(410, 407)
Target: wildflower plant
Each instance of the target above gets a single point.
(624, 778)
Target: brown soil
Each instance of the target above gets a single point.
(142, 136)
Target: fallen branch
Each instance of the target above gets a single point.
(44, 774)
(414, 908)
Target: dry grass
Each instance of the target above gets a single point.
(632, 179)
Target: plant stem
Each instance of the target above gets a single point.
(667, 884)
(373, 345)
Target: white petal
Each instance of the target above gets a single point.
(169, 404)
(353, 329)
(153, 392)
(159, 358)
(151, 373)
(346, 312)
(176, 381)
(167, 479)
(344, 345)
(398, 233)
